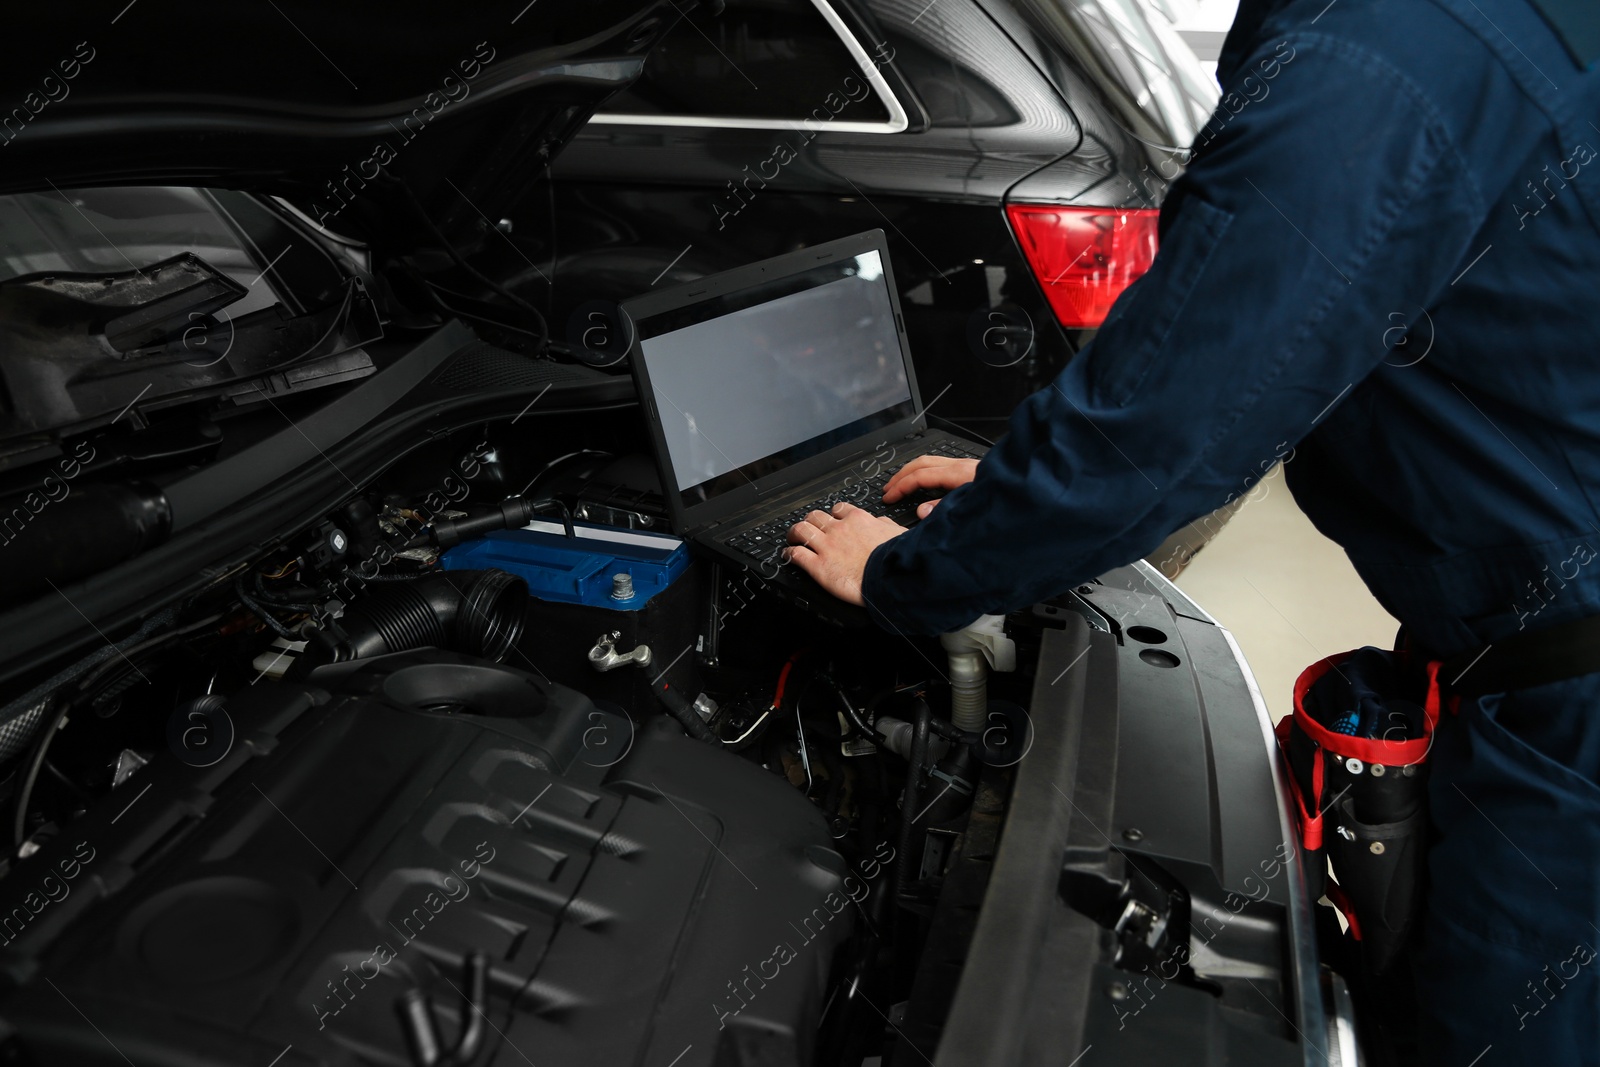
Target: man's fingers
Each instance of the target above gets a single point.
(925, 508)
(905, 484)
(921, 463)
(941, 472)
(802, 532)
(833, 549)
(804, 558)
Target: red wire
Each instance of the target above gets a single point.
(783, 679)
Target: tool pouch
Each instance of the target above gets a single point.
(1357, 748)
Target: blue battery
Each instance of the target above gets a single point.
(579, 569)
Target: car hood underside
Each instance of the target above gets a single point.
(322, 105)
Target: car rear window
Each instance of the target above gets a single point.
(778, 60)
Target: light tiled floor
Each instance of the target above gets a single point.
(1288, 594)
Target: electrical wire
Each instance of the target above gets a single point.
(479, 276)
(805, 757)
(783, 679)
(550, 467)
(777, 700)
(436, 289)
(277, 600)
(550, 290)
(339, 319)
(261, 612)
(753, 726)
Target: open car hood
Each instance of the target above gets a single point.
(466, 104)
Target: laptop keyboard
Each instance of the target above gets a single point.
(762, 541)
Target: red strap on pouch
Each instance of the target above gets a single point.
(1367, 749)
(1335, 894)
(1310, 820)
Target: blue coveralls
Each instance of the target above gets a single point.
(1426, 169)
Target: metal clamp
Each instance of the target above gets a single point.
(605, 657)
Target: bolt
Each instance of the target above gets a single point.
(504, 225)
(1409, 770)
(1117, 991)
(1376, 848)
(1132, 834)
(622, 586)
(1379, 770)
(1353, 765)
(337, 542)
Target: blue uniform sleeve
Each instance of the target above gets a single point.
(1321, 201)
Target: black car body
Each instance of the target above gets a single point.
(288, 784)
(781, 124)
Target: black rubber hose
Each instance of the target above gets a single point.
(51, 722)
(491, 615)
(513, 513)
(416, 1018)
(855, 716)
(88, 530)
(684, 712)
(910, 797)
(478, 613)
(548, 503)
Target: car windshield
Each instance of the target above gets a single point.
(1156, 83)
(95, 230)
(250, 293)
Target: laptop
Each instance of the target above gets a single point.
(780, 388)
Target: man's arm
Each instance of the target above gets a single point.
(1320, 208)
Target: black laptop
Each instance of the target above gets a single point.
(779, 388)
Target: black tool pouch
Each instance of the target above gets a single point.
(1356, 749)
(1380, 868)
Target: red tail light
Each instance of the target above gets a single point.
(1084, 257)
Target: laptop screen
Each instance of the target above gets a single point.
(750, 382)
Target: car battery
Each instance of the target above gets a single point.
(644, 588)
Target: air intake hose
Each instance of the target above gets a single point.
(973, 650)
(476, 613)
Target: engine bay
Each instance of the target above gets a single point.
(461, 774)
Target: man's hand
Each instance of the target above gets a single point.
(833, 548)
(929, 472)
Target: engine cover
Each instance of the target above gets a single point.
(641, 898)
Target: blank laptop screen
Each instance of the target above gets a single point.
(747, 383)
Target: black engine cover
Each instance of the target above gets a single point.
(641, 898)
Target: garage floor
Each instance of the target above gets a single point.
(1288, 594)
